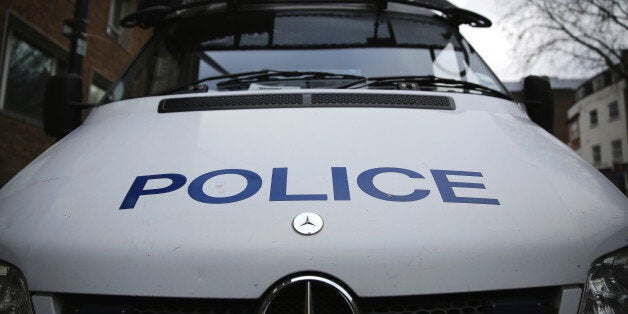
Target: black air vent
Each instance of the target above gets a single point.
(403, 101)
(305, 100)
(230, 102)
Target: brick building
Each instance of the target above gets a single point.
(33, 47)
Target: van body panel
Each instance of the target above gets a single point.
(62, 225)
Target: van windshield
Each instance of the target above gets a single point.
(348, 43)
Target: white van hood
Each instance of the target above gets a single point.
(61, 222)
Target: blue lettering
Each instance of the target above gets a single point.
(445, 187)
(137, 188)
(253, 184)
(278, 189)
(365, 182)
(341, 184)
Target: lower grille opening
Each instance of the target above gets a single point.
(150, 305)
(529, 301)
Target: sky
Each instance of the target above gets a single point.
(497, 49)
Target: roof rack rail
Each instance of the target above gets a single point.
(151, 13)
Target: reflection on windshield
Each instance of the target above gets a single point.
(451, 64)
(352, 61)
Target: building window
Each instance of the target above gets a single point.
(613, 111)
(618, 154)
(115, 14)
(117, 10)
(96, 93)
(26, 69)
(593, 118)
(598, 82)
(98, 87)
(580, 93)
(597, 155)
(574, 130)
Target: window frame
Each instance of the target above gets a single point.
(96, 78)
(120, 34)
(610, 115)
(574, 130)
(619, 157)
(593, 113)
(16, 26)
(113, 28)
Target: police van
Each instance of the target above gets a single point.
(309, 157)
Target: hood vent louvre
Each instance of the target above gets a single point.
(305, 100)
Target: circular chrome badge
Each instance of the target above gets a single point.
(309, 294)
(307, 223)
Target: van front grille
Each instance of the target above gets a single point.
(540, 300)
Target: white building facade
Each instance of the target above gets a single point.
(598, 128)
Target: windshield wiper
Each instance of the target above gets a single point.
(274, 76)
(432, 81)
(247, 78)
(191, 85)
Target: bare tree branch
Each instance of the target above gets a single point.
(594, 33)
(614, 18)
(561, 25)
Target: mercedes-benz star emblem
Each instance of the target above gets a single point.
(307, 223)
(309, 294)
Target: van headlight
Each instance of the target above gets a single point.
(606, 288)
(14, 296)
